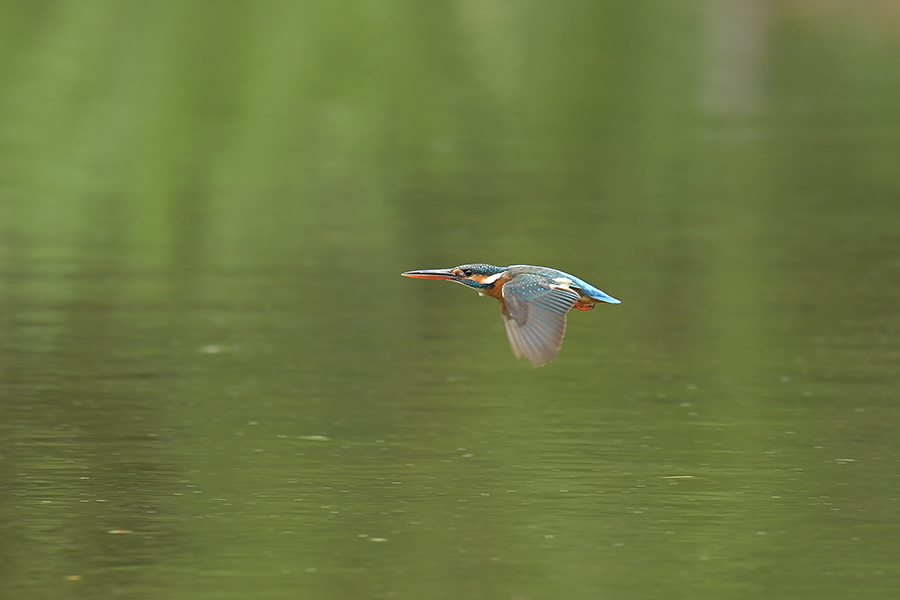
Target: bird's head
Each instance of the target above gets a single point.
(478, 276)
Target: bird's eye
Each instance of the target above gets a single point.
(467, 272)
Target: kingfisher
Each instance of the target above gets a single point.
(534, 302)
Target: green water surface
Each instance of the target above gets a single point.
(215, 384)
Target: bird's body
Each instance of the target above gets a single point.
(534, 302)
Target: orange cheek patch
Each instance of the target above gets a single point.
(494, 291)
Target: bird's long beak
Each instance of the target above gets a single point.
(432, 274)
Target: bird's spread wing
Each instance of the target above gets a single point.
(534, 312)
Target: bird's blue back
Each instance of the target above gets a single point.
(586, 288)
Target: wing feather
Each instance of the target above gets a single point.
(534, 313)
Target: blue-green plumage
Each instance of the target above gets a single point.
(534, 301)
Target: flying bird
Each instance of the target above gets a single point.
(534, 302)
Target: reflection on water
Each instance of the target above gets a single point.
(734, 77)
(215, 382)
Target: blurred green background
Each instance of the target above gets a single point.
(214, 383)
